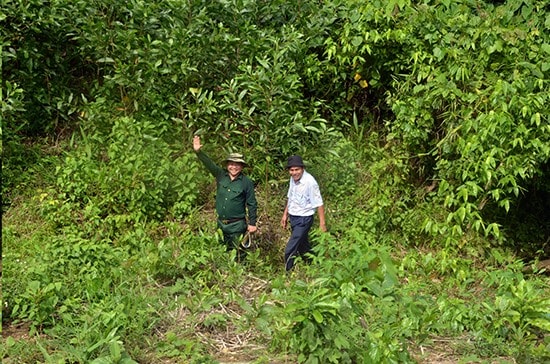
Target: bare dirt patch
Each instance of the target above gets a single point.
(16, 331)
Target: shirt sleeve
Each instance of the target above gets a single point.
(315, 197)
(209, 164)
(251, 203)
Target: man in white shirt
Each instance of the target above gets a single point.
(303, 199)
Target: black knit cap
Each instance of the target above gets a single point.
(295, 161)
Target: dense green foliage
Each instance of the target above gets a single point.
(426, 124)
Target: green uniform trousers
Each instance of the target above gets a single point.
(232, 235)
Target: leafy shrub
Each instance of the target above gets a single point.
(519, 309)
(184, 254)
(79, 291)
(67, 271)
(461, 121)
(134, 174)
(336, 169)
(350, 313)
(43, 59)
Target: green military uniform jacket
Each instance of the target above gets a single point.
(234, 199)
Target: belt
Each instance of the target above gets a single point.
(229, 221)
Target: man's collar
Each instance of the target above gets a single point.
(300, 180)
(303, 175)
(239, 176)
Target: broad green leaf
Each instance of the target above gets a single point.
(541, 323)
(317, 316)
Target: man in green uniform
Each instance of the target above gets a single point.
(236, 204)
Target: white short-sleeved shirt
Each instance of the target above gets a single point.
(304, 196)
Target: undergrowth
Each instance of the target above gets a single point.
(85, 285)
(425, 123)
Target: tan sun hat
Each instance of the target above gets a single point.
(235, 157)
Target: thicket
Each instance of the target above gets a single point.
(426, 124)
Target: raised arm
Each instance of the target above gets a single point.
(208, 163)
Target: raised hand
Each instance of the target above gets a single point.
(197, 143)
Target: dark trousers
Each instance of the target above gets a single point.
(232, 235)
(298, 244)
